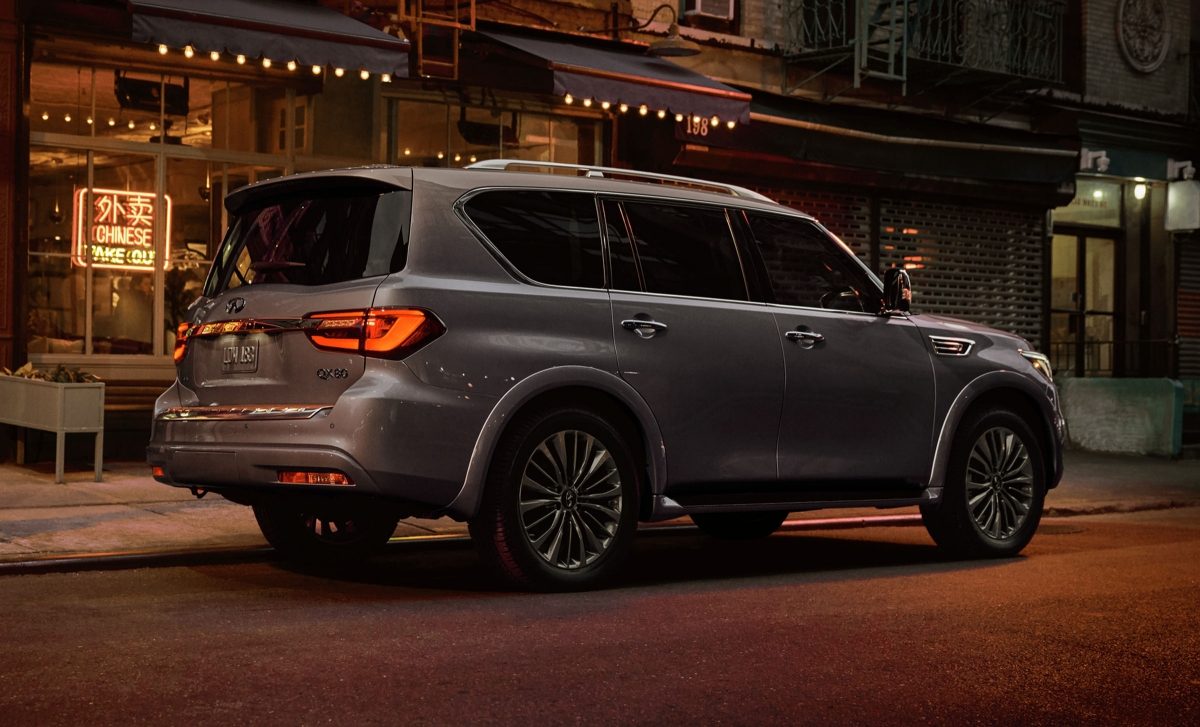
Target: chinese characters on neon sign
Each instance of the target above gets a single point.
(122, 229)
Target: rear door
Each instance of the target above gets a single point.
(705, 358)
(858, 410)
(288, 295)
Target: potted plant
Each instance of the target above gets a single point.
(63, 401)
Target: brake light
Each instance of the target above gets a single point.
(384, 332)
(339, 331)
(181, 337)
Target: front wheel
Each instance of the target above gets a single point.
(995, 489)
(560, 506)
(329, 535)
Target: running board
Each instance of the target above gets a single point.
(665, 507)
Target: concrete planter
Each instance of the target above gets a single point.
(1124, 416)
(59, 408)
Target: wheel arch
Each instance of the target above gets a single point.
(568, 385)
(1008, 390)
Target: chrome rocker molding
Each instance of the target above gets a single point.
(665, 507)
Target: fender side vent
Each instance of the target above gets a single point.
(946, 346)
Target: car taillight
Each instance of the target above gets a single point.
(384, 332)
(181, 337)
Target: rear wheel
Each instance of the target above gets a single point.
(335, 534)
(739, 525)
(994, 491)
(560, 506)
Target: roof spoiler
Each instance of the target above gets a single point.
(356, 180)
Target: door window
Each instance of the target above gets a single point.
(807, 268)
(551, 237)
(684, 250)
(1083, 305)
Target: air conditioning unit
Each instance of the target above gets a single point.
(715, 9)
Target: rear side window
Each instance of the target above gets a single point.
(550, 237)
(314, 241)
(685, 250)
(808, 268)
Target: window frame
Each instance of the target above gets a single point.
(768, 288)
(460, 209)
(749, 285)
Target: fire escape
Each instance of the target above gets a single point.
(992, 44)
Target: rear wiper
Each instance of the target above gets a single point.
(266, 266)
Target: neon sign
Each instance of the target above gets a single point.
(122, 229)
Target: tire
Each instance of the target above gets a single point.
(994, 491)
(334, 535)
(559, 509)
(739, 525)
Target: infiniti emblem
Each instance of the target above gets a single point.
(235, 305)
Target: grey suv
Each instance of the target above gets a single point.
(555, 356)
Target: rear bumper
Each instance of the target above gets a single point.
(391, 435)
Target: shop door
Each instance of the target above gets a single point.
(1083, 321)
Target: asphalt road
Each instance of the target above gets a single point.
(1099, 622)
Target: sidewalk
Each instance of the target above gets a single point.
(130, 512)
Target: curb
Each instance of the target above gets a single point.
(131, 559)
(1116, 508)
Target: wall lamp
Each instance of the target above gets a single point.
(1180, 170)
(673, 46)
(1096, 159)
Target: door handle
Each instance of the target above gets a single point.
(639, 325)
(804, 336)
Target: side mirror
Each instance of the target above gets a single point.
(897, 291)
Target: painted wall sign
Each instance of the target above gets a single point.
(122, 229)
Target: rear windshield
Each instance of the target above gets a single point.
(314, 241)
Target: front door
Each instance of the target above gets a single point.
(858, 409)
(1083, 331)
(705, 358)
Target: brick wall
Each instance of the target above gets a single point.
(760, 19)
(1110, 79)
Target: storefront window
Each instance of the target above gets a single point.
(114, 264)
(436, 134)
(1096, 202)
(55, 315)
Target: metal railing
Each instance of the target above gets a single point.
(1018, 38)
(1149, 358)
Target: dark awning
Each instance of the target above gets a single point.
(900, 143)
(588, 71)
(308, 33)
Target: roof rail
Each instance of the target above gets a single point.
(624, 175)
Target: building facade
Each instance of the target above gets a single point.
(960, 139)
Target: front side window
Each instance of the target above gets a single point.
(550, 237)
(807, 268)
(303, 240)
(685, 250)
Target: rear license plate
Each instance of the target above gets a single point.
(240, 358)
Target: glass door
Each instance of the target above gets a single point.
(1083, 304)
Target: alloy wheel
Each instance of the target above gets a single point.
(999, 483)
(570, 499)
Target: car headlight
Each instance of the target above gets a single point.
(1041, 363)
